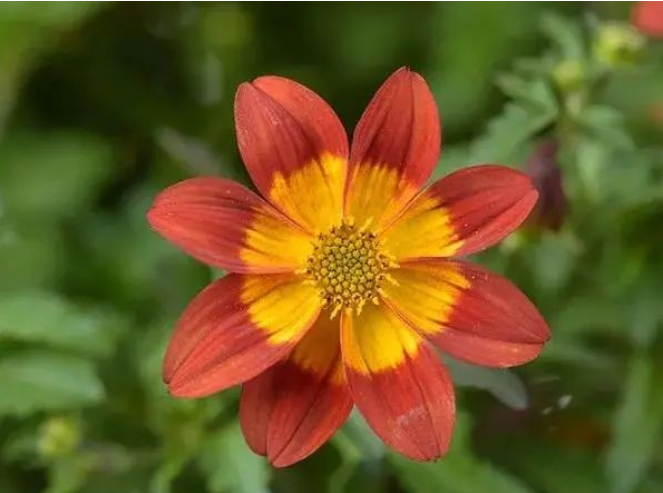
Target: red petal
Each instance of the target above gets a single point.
(409, 405)
(397, 138)
(289, 411)
(223, 224)
(294, 147)
(469, 312)
(235, 329)
(465, 212)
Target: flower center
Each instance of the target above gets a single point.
(347, 266)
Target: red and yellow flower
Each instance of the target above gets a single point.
(344, 279)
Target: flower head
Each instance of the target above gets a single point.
(648, 18)
(343, 278)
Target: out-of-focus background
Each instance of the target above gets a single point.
(103, 105)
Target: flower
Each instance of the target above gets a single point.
(546, 175)
(344, 278)
(648, 18)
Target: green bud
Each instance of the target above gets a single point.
(59, 436)
(569, 75)
(617, 44)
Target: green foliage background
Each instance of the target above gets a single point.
(102, 105)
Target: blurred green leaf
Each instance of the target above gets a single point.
(637, 425)
(585, 314)
(453, 158)
(520, 120)
(553, 259)
(463, 81)
(230, 466)
(503, 384)
(32, 254)
(458, 472)
(559, 470)
(606, 124)
(46, 318)
(67, 475)
(52, 174)
(38, 381)
(359, 440)
(59, 14)
(644, 310)
(565, 35)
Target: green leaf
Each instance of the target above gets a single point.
(40, 381)
(584, 314)
(637, 425)
(454, 157)
(46, 318)
(644, 308)
(558, 470)
(520, 120)
(49, 175)
(462, 84)
(607, 125)
(566, 37)
(553, 260)
(503, 384)
(58, 15)
(230, 466)
(357, 440)
(32, 254)
(459, 472)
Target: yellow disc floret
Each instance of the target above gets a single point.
(347, 266)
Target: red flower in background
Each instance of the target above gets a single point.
(648, 18)
(343, 279)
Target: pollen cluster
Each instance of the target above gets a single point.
(348, 267)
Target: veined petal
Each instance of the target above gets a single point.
(295, 149)
(223, 224)
(290, 410)
(236, 328)
(464, 212)
(395, 147)
(398, 383)
(468, 312)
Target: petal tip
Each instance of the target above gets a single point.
(244, 91)
(154, 216)
(280, 461)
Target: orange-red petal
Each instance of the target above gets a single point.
(295, 149)
(395, 147)
(648, 18)
(464, 212)
(236, 328)
(398, 383)
(290, 410)
(468, 312)
(223, 224)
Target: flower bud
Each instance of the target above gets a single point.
(546, 175)
(59, 436)
(617, 44)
